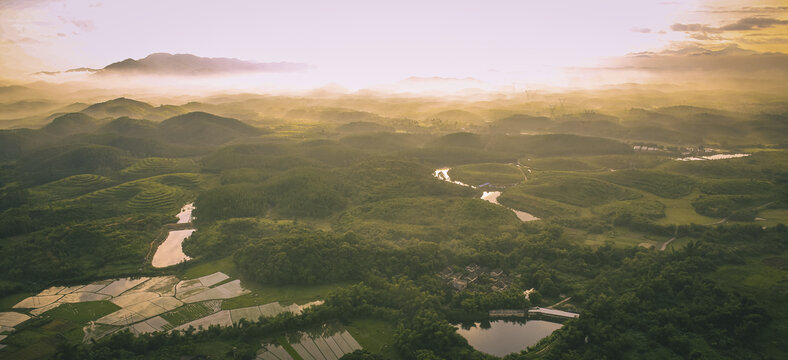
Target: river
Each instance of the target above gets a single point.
(491, 196)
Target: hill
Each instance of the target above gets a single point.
(69, 124)
(132, 108)
(204, 128)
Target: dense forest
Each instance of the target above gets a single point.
(320, 200)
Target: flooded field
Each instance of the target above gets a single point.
(712, 157)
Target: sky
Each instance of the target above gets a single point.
(357, 44)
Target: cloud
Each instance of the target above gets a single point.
(641, 30)
(752, 23)
(745, 24)
(702, 36)
(691, 59)
(745, 10)
(84, 25)
(692, 28)
(764, 40)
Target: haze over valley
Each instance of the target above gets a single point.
(393, 180)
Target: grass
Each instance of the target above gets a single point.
(680, 211)
(659, 183)
(620, 237)
(679, 243)
(495, 174)
(560, 164)
(7, 302)
(577, 190)
(289, 348)
(773, 217)
(372, 334)
(74, 316)
(516, 199)
(225, 265)
(286, 294)
(64, 323)
(768, 285)
(260, 294)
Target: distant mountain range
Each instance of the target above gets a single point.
(186, 65)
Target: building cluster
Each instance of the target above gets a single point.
(645, 148)
(459, 280)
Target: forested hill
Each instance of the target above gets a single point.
(664, 234)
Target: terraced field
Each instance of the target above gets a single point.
(154, 166)
(155, 194)
(72, 186)
(160, 197)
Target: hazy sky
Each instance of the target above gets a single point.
(358, 43)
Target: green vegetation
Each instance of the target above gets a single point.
(154, 166)
(334, 199)
(566, 164)
(659, 183)
(187, 313)
(494, 174)
(577, 190)
(516, 198)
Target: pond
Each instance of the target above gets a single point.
(503, 337)
(170, 252)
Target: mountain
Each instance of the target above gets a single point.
(191, 65)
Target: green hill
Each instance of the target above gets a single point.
(519, 122)
(69, 124)
(121, 107)
(130, 127)
(58, 162)
(204, 128)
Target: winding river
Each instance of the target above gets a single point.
(491, 196)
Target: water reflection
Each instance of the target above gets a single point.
(503, 337)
